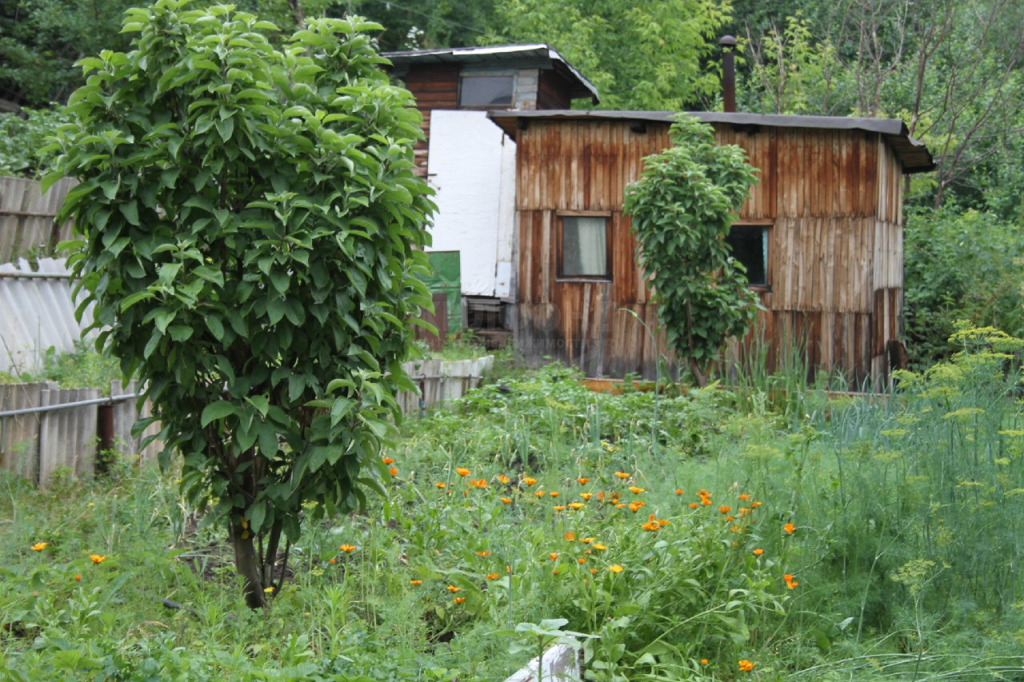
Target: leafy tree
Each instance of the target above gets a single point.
(682, 208)
(650, 54)
(22, 140)
(252, 234)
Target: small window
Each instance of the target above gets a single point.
(750, 246)
(584, 247)
(486, 91)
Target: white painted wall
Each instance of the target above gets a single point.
(472, 168)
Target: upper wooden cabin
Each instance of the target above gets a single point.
(821, 235)
(523, 77)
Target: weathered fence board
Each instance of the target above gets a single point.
(36, 446)
(37, 312)
(27, 217)
(441, 380)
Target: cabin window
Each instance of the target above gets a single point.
(486, 91)
(750, 246)
(583, 247)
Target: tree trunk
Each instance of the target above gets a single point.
(247, 564)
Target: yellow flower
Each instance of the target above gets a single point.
(758, 552)
(502, 478)
(97, 559)
(484, 553)
(746, 666)
(268, 590)
(459, 600)
(582, 481)
(576, 506)
(636, 490)
(482, 483)
(570, 536)
(529, 481)
(462, 471)
(789, 528)
(635, 506)
(586, 496)
(347, 548)
(540, 493)
(586, 541)
(506, 500)
(554, 493)
(559, 507)
(622, 474)
(615, 568)
(39, 546)
(453, 588)
(553, 556)
(492, 576)
(439, 484)
(415, 582)
(598, 546)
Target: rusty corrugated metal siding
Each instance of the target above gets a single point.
(832, 197)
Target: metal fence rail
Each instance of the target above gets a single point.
(45, 429)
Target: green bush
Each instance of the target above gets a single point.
(23, 141)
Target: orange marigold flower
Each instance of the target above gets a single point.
(453, 588)
(553, 556)
(39, 546)
(593, 571)
(745, 496)
(393, 471)
(651, 526)
(415, 582)
(347, 548)
(635, 506)
(582, 481)
(478, 484)
(459, 600)
(78, 577)
(586, 496)
(622, 474)
(570, 536)
(439, 484)
(615, 568)
(790, 583)
(559, 507)
(540, 493)
(694, 505)
(706, 501)
(332, 560)
(746, 666)
(679, 491)
(462, 471)
(758, 552)
(789, 528)
(725, 509)
(636, 490)
(502, 478)
(586, 541)
(598, 546)
(554, 493)
(756, 504)
(703, 661)
(600, 495)
(730, 518)
(620, 506)
(576, 506)
(485, 553)
(581, 560)
(492, 576)
(387, 460)
(97, 559)
(529, 481)
(506, 500)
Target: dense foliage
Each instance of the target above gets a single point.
(252, 233)
(725, 534)
(682, 208)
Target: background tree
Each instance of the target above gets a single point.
(682, 208)
(651, 54)
(252, 230)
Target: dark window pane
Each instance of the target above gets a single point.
(486, 91)
(750, 247)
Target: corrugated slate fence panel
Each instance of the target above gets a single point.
(26, 217)
(36, 312)
(67, 437)
(19, 436)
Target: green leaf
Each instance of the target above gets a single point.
(217, 410)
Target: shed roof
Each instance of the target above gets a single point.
(541, 54)
(912, 154)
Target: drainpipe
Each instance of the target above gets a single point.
(728, 45)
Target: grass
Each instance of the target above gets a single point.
(816, 538)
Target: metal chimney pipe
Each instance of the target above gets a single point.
(728, 45)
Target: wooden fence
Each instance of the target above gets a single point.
(45, 438)
(26, 217)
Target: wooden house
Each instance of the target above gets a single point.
(469, 162)
(821, 236)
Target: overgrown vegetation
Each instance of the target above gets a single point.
(721, 536)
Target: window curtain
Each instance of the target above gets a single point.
(584, 247)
